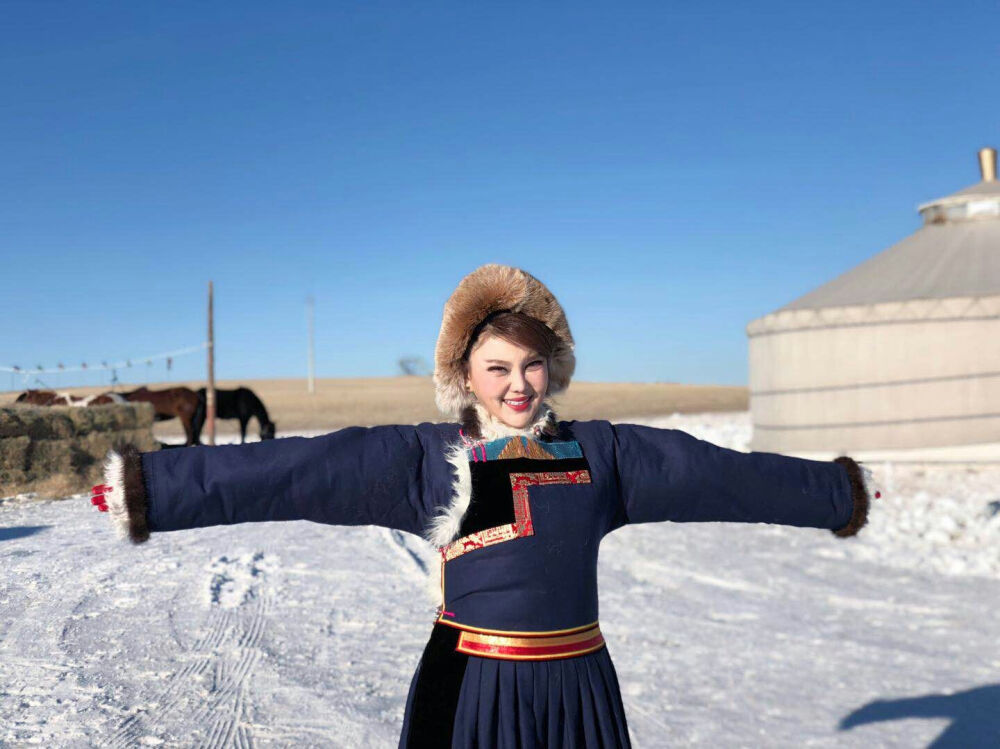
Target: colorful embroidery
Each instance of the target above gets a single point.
(521, 447)
(522, 525)
(481, 539)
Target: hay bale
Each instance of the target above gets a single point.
(60, 450)
(14, 461)
(37, 422)
(11, 424)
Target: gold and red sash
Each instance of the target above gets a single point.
(528, 646)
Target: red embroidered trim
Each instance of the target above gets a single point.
(522, 525)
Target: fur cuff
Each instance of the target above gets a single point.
(859, 494)
(127, 497)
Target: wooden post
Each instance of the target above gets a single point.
(210, 390)
(312, 355)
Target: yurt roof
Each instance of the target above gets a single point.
(938, 261)
(955, 254)
(991, 189)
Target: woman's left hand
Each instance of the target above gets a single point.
(98, 496)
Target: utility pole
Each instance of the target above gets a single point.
(210, 390)
(310, 314)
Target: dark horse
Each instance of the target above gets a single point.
(241, 403)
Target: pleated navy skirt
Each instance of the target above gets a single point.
(458, 701)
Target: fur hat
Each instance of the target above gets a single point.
(490, 289)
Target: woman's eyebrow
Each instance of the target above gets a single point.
(501, 361)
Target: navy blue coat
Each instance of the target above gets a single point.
(398, 477)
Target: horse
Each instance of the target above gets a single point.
(241, 403)
(179, 402)
(37, 397)
(52, 398)
(84, 401)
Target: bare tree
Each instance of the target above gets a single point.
(414, 365)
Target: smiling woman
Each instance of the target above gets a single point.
(515, 501)
(507, 369)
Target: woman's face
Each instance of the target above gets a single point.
(509, 380)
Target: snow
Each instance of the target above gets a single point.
(281, 634)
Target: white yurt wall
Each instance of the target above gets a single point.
(900, 352)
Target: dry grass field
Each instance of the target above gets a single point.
(407, 400)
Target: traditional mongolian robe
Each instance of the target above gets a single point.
(516, 657)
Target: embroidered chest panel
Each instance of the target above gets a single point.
(503, 474)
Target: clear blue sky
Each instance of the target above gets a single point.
(670, 170)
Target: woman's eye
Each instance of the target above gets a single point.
(497, 369)
(536, 363)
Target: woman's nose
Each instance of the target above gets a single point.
(518, 381)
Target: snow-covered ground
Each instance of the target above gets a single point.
(296, 634)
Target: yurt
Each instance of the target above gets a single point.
(900, 352)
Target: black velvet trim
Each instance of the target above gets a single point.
(135, 492)
(859, 515)
(492, 502)
(435, 698)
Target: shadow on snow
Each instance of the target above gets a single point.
(9, 534)
(974, 715)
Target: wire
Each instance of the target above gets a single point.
(123, 364)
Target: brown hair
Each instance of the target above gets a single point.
(517, 328)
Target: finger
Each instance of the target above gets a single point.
(98, 500)
(102, 508)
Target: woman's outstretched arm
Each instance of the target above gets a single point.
(391, 476)
(666, 474)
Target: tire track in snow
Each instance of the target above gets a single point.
(239, 602)
(225, 711)
(132, 728)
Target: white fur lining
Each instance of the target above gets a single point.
(444, 526)
(114, 477)
(493, 429)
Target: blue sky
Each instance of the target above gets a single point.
(670, 170)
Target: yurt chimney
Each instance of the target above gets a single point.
(988, 164)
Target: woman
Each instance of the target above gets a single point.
(517, 504)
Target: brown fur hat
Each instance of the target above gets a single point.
(488, 289)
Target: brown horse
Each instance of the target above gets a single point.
(52, 398)
(37, 397)
(179, 402)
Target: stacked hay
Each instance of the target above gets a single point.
(55, 451)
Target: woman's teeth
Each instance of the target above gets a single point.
(518, 405)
